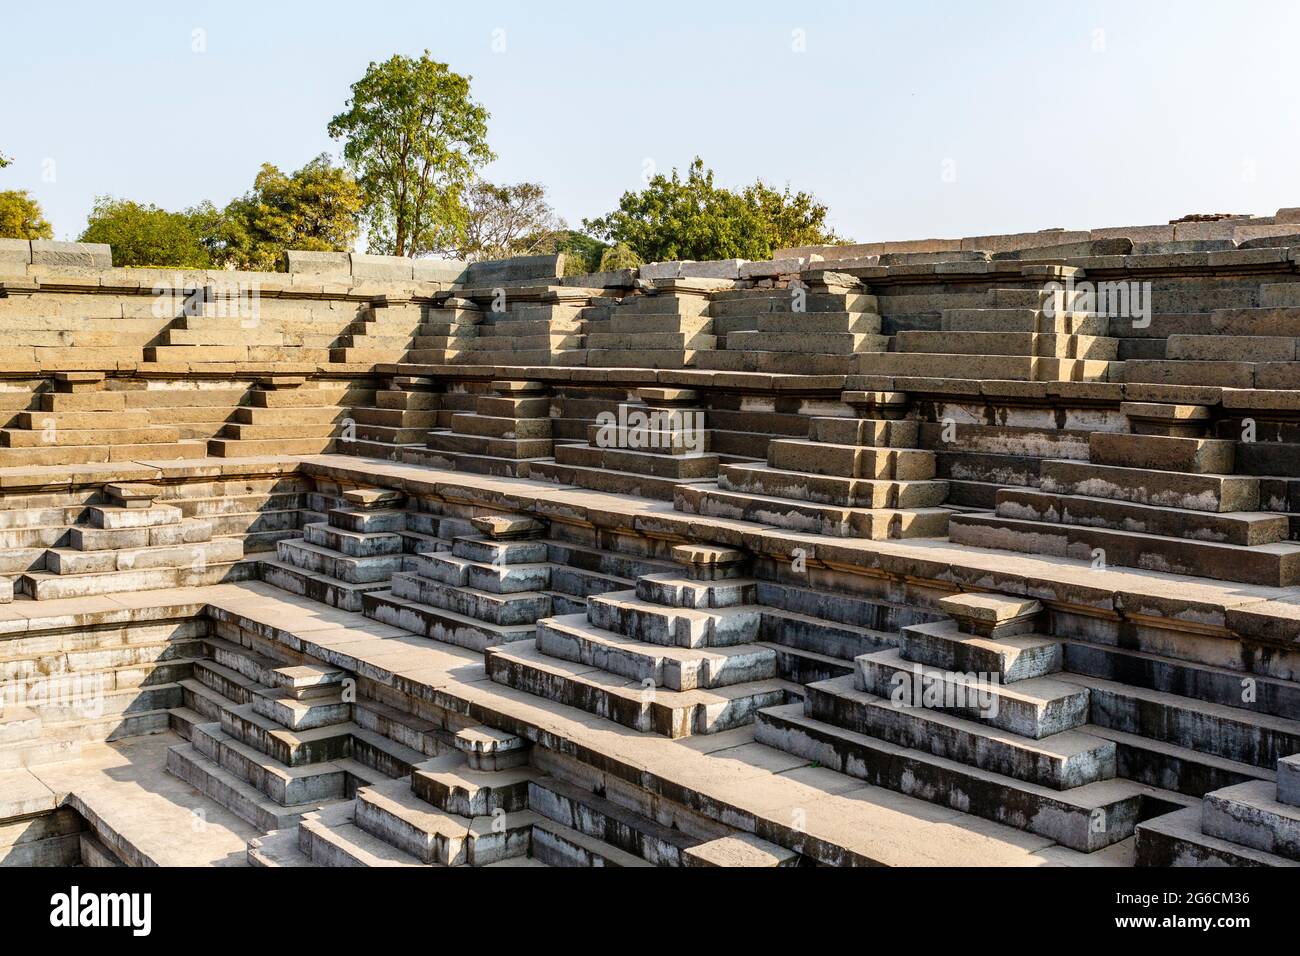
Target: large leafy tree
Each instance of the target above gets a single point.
(416, 141)
(504, 221)
(21, 217)
(146, 235)
(318, 208)
(691, 217)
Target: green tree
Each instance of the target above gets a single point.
(415, 140)
(5, 160)
(505, 221)
(146, 235)
(318, 208)
(693, 218)
(21, 217)
(618, 256)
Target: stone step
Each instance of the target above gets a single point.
(293, 748)
(680, 467)
(1036, 708)
(46, 586)
(1232, 347)
(1175, 839)
(572, 638)
(816, 343)
(231, 791)
(502, 579)
(370, 569)
(107, 450)
(1014, 658)
(308, 713)
(325, 588)
(981, 367)
(482, 446)
(504, 610)
(253, 448)
(1085, 818)
(492, 426)
(850, 461)
(1201, 456)
(674, 589)
(557, 845)
(1288, 780)
(624, 612)
(1243, 528)
(1169, 489)
(279, 848)
(818, 323)
(1236, 733)
(1150, 669)
(1048, 345)
(1171, 767)
(439, 624)
(598, 818)
(1271, 565)
(648, 710)
(1250, 814)
(768, 482)
(452, 786)
(874, 523)
(1060, 761)
(1024, 320)
(330, 837)
(392, 812)
(288, 786)
(352, 544)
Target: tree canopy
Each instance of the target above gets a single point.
(504, 221)
(21, 217)
(691, 217)
(415, 140)
(318, 208)
(147, 235)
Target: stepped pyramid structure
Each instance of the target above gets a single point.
(649, 448)
(664, 328)
(1158, 498)
(676, 656)
(284, 414)
(806, 327)
(1021, 335)
(852, 477)
(79, 421)
(132, 541)
(359, 546)
(400, 419)
(509, 429)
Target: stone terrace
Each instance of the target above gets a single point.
(959, 552)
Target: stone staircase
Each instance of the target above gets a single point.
(401, 418)
(364, 540)
(648, 449)
(1256, 823)
(81, 422)
(1159, 498)
(852, 477)
(384, 331)
(285, 415)
(272, 742)
(664, 328)
(61, 691)
(530, 326)
(678, 655)
(445, 333)
(219, 325)
(1028, 335)
(508, 431)
(815, 325)
(133, 542)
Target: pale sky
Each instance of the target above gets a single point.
(929, 118)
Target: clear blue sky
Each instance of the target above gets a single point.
(1043, 113)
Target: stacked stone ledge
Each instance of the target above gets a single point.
(1030, 335)
(133, 542)
(666, 326)
(508, 431)
(80, 421)
(396, 328)
(678, 655)
(287, 415)
(859, 476)
(403, 414)
(1162, 498)
(810, 325)
(363, 541)
(526, 326)
(648, 448)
